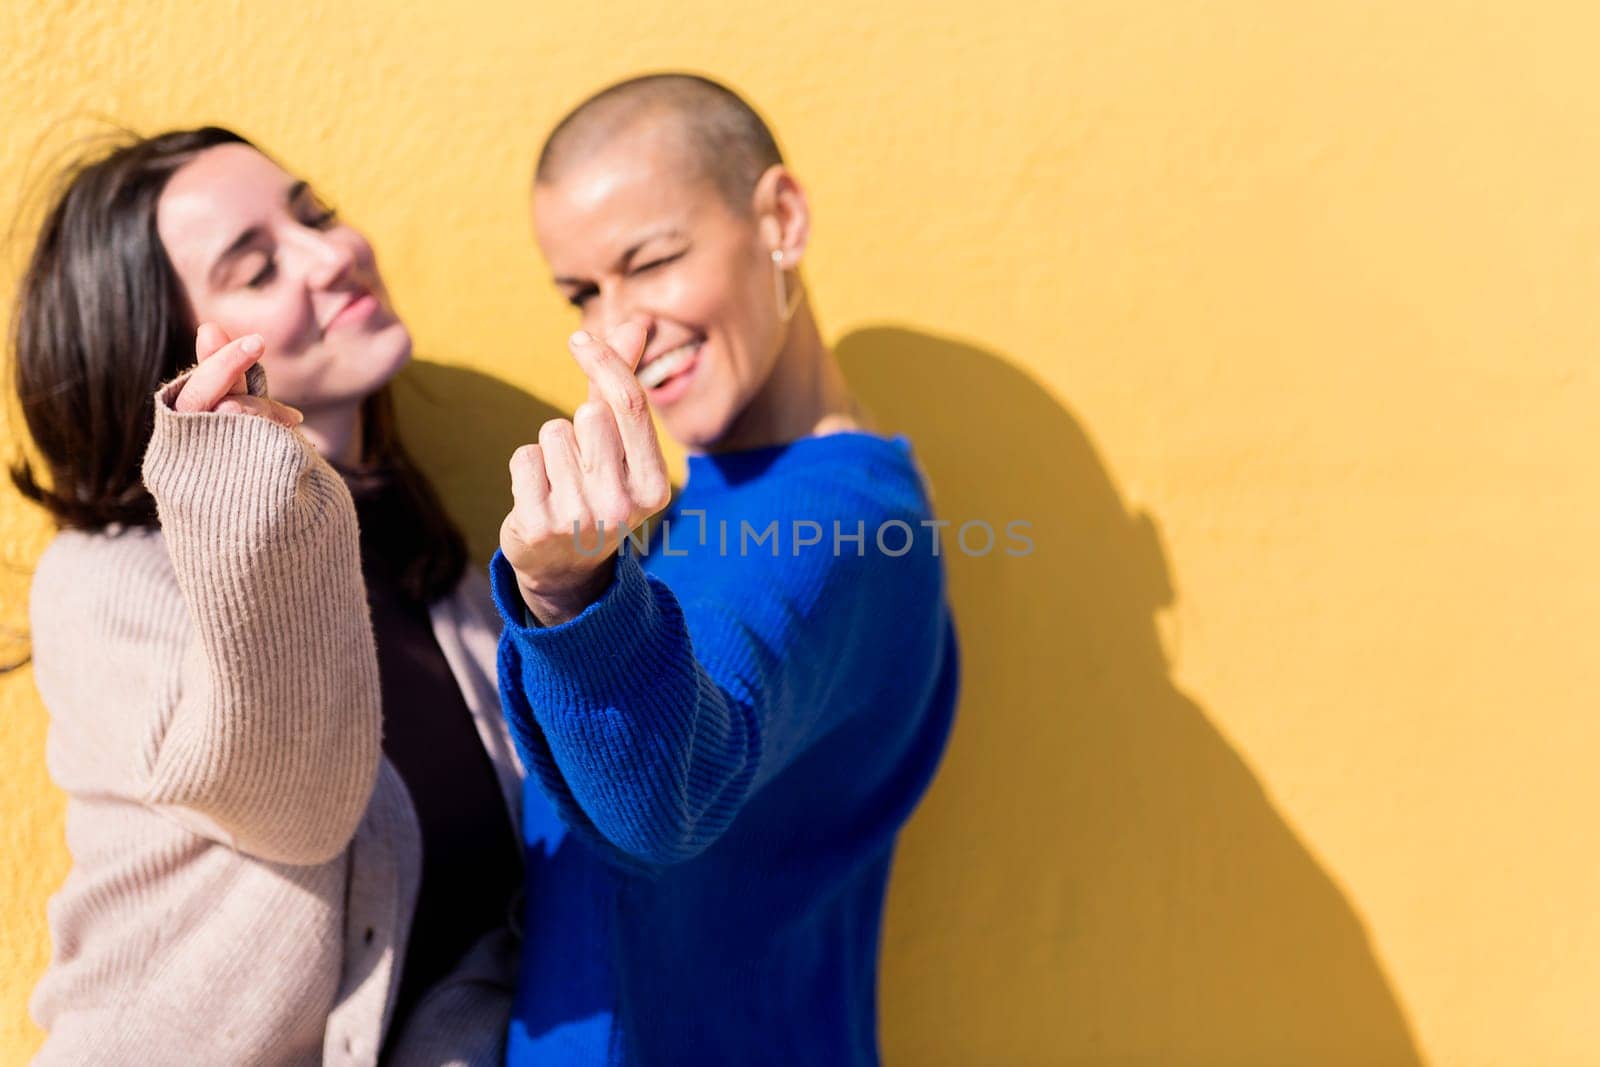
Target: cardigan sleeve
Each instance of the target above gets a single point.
(273, 741)
(652, 717)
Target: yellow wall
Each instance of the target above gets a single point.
(1279, 323)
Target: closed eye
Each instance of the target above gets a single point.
(654, 263)
(269, 270)
(581, 296)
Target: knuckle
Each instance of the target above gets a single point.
(555, 432)
(516, 537)
(634, 403)
(524, 458)
(590, 432)
(619, 516)
(525, 523)
(188, 398)
(653, 491)
(572, 516)
(613, 507)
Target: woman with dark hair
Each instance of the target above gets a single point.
(270, 674)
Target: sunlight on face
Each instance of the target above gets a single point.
(632, 233)
(257, 252)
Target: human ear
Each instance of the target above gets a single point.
(782, 215)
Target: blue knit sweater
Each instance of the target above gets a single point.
(720, 752)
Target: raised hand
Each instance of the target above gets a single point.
(586, 483)
(218, 383)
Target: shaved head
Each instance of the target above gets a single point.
(718, 137)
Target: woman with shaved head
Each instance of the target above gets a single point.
(728, 721)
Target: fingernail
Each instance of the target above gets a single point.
(250, 345)
(582, 337)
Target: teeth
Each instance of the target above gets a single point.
(665, 366)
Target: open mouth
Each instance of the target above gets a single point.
(668, 364)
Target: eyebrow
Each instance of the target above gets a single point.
(249, 237)
(632, 250)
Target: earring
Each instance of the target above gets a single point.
(781, 287)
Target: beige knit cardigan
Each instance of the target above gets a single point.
(245, 861)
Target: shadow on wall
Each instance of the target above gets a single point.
(461, 427)
(1096, 876)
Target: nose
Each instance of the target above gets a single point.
(331, 260)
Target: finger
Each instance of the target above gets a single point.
(627, 340)
(529, 485)
(621, 391)
(261, 407)
(610, 375)
(560, 446)
(288, 415)
(600, 454)
(208, 340)
(599, 446)
(214, 379)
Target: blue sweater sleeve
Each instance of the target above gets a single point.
(652, 717)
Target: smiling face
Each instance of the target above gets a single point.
(257, 252)
(631, 233)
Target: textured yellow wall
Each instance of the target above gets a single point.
(1279, 323)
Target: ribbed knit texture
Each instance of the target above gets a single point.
(275, 738)
(724, 747)
(244, 863)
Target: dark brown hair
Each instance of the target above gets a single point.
(101, 321)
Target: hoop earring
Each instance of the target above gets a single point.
(781, 288)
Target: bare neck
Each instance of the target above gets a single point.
(806, 394)
(335, 432)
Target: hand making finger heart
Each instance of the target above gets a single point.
(587, 482)
(218, 383)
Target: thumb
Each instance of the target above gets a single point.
(627, 341)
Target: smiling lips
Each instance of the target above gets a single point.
(358, 307)
(659, 368)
